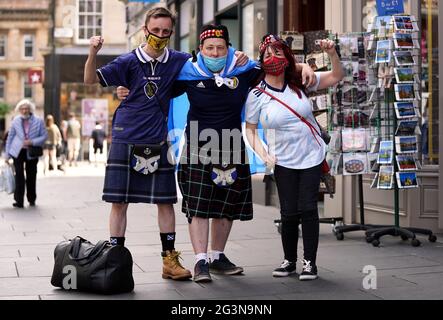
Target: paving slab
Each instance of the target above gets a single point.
(28, 238)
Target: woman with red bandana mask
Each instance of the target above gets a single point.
(295, 149)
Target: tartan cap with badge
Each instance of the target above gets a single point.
(214, 31)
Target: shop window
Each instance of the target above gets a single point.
(185, 21)
(430, 81)
(89, 19)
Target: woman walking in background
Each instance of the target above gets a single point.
(27, 131)
(50, 147)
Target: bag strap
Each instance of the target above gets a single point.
(75, 249)
(303, 119)
(75, 246)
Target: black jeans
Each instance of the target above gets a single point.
(298, 194)
(21, 163)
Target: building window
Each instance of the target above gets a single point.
(430, 76)
(28, 92)
(2, 87)
(28, 46)
(3, 41)
(90, 18)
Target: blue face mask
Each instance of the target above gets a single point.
(215, 64)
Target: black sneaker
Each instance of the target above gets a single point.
(222, 265)
(309, 272)
(17, 205)
(286, 268)
(201, 272)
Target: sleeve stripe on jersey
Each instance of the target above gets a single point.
(103, 81)
(257, 93)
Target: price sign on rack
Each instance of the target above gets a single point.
(390, 7)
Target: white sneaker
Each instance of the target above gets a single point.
(309, 272)
(286, 268)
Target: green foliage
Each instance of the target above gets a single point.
(4, 109)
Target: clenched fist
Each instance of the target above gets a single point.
(95, 44)
(327, 46)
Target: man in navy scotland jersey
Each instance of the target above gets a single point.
(138, 170)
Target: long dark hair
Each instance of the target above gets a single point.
(292, 77)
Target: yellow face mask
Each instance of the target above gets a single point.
(156, 42)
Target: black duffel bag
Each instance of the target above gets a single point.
(100, 268)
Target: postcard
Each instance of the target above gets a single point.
(294, 40)
(405, 92)
(349, 95)
(374, 182)
(385, 177)
(405, 41)
(335, 143)
(353, 140)
(355, 163)
(348, 46)
(318, 61)
(406, 180)
(386, 152)
(405, 110)
(405, 75)
(372, 162)
(299, 58)
(319, 103)
(406, 128)
(406, 162)
(405, 58)
(383, 54)
(383, 25)
(375, 144)
(352, 70)
(405, 24)
(406, 144)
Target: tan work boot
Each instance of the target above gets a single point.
(172, 268)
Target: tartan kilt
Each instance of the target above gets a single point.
(204, 199)
(124, 185)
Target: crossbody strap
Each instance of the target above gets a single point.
(303, 119)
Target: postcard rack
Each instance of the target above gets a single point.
(393, 53)
(348, 121)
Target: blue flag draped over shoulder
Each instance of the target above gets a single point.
(193, 71)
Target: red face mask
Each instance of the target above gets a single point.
(275, 66)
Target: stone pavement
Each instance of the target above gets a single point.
(70, 204)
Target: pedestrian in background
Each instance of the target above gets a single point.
(73, 135)
(27, 131)
(98, 137)
(53, 141)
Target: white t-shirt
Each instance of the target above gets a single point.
(288, 138)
